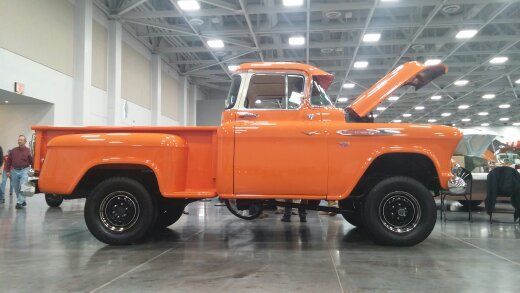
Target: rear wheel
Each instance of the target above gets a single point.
(120, 211)
(53, 200)
(169, 212)
(244, 208)
(399, 211)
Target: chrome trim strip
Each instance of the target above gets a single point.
(368, 132)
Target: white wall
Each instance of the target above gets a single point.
(18, 119)
(209, 111)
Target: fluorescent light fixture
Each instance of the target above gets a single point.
(292, 3)
(348, 85)
(483, 113)
(342, 100)
(215, 43)
(466, 34)
(188, 5)
(498, 60)
(446, 114)
(361, 64)
(397, 121)
(517, 81)
(436, 97)
(461, 82)
(464, 107)
(431, 62)
(432, 120)
(465, 119)
(380, 108)
(406, 115)
(371, 38)
(488, 96)
(297, 41)
(393, 98)
(484, 124)
(504, 106)
(504, 119)
(516, 124)
(232, 67)
(419, 108)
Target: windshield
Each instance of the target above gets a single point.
(318, 95)
(233, 91)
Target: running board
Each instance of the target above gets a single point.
(311, 207)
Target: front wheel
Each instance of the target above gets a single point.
(399, 211)
(352, 211)
(53, 200)
(120, 211)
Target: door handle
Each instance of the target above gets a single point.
(247, 115)
(310, 133)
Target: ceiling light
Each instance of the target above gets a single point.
(380, 108)
(431, 62)
(389, 0)
(233, 67)
(436, 97)
(516, 124)
(374, 115)
(517, 81)
(7, 102)
(432, 120)
(504, 106)
(488, 96)
(504, 119)
(189, 5)
(461, 82)
(498, 60)
(393, 98)
(396, 121)
(466, 34)
(342, 100)
(348, 86)
(464, 107)
(215, 43)
(258, 102)
(419, 108)
(407, 115)
(371, 38)
(292, 3)
(484, 124)
(465, 119)
(445, 114)
(297, 41)
(361, 64)
(483, 113)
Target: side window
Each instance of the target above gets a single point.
(232, 96)
(318, 96)
(275, 91)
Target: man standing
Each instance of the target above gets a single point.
(18, 166)
(4, 179)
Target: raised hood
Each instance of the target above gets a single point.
(411, 73)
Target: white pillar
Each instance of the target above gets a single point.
(156, 89)
(194, 106)
(82, 61)
(114, 102)
(185, 85)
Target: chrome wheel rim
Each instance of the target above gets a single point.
(400, 212)
(119, 211)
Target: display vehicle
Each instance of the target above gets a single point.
(280, 138)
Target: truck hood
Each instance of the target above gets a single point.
(411, 73)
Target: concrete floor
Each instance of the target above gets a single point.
(210, 250)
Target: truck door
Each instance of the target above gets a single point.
(280, 142)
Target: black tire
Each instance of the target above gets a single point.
(354, 213)
(53, 200)
(120, 211)
(399, 211)
(472, 203)
(169, 211)
(254, 212)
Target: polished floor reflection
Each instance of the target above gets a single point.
(50, 250)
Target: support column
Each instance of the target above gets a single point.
(82, 61)
(185, 97)
(194, 106)
(156, 89)
(114, 102)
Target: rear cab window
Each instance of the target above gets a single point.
(275, 91)
(234, 89)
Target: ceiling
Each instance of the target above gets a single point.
(259, 30)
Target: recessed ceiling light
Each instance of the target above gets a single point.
(361, 64)
(380, 108)
(432, 120)
(464, 107)
(419, 108)
(504, 106)
(7, 102)
(498, 60)
(374, 115)
(431, 62)
(488, 96)
(292, 3)
(233, 67)
(189, 5)
(371, 38)
(465, 119)
(446, 114)
(484, 124)
(342, 100)
(461, 82)
(483, 113)
(407, 115)
(517, 81)
(466, 34)
(215, 43)
(397, 121)
(348, 85)
(504, 119)
(436, 97)
(393, 98)
(297, 41)
(516, 124)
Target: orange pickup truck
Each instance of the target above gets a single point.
(280, 138)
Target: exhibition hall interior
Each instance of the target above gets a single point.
(259, 145)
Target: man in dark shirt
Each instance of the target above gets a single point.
(19, 163)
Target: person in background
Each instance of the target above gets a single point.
(19, 163)
(288, 211)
